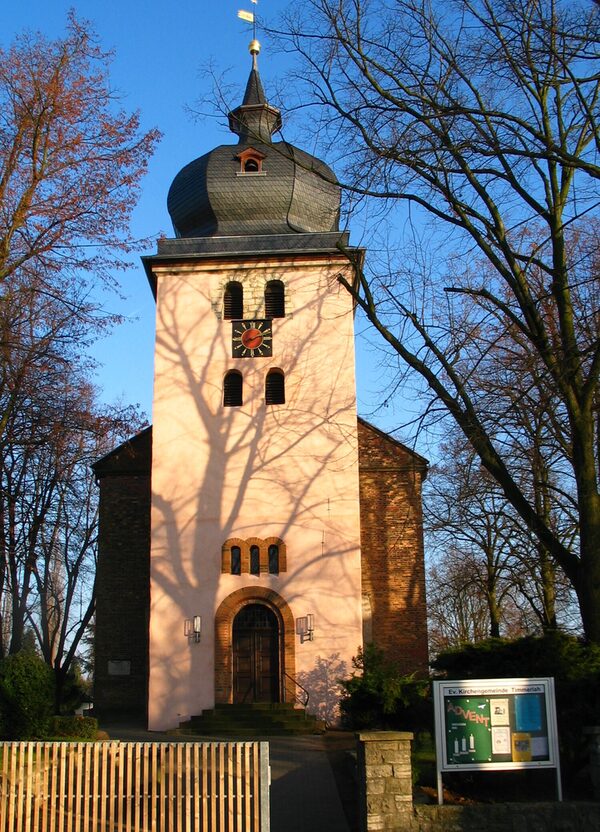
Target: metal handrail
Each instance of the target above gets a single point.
(303, 700)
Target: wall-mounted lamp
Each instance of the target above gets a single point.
(192, 628)
(305, 628)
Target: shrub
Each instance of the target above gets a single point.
(378, 695)
(73, 689)
(26, 696)
(76, 727)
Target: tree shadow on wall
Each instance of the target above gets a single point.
(240, 472)
(323, 684)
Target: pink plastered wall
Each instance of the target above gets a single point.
(288, 471)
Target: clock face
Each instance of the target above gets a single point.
(251, 339)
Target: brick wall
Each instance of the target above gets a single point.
(123, 580)
(393, 569)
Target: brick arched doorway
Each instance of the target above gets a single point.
(285, 661)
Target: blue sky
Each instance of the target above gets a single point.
(160, 51)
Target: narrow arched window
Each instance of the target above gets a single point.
(236, 560)
(275, 387)
(233, 301)
(254, 560)
(274, 559)
(251, 166)
(232, 389)
(274, 299)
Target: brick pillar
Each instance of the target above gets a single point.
(385, 781)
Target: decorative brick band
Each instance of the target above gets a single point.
(244, 547)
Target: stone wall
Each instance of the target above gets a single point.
(506, 817)
(385, 793)
(392, 560)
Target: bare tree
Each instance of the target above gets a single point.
(483, 556)
(48, 499)
(479, 119)
(70, 159)
(466, 516)
(457, 609)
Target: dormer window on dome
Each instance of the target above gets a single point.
(251, 161)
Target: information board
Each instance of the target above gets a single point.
(495, 724)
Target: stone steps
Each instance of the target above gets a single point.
(261, 719)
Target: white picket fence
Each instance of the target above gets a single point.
(134, 787)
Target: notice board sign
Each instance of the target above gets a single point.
(495, 724)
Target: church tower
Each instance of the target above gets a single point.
(255, 504)
(246, 584)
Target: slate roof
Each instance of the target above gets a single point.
(132, 457)
(293, 193)
(246, 246)
(255, 93)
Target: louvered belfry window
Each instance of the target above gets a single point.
(275, 387)
(233, 301)
(274, 299)
(232, 389)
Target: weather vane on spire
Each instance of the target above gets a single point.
(250, 17)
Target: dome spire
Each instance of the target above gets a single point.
(255, 93)
(255, 119)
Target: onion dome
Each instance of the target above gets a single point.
(257, 186)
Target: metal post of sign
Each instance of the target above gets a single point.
(556, 752)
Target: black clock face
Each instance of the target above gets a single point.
(251, 339)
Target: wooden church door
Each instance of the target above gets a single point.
(255, 655)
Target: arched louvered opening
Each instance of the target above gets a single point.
(275, 387)
(274, 299)
(233, 301)
(251, 166)
(232, 389)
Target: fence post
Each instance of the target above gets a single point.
(385, 780)
(265, 788)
